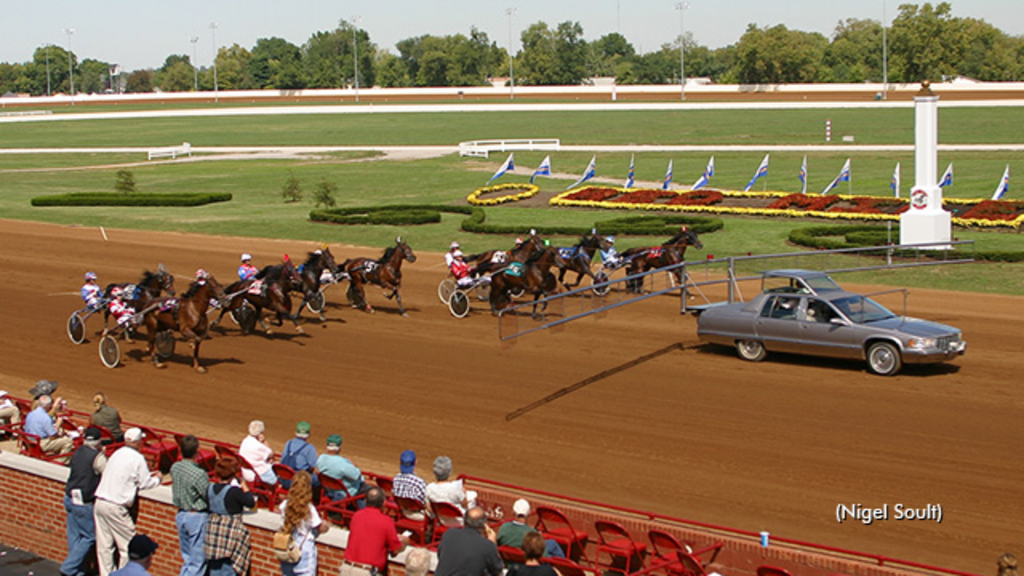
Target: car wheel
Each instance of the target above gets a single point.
(751, 350)
(884, 359)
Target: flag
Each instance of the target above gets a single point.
(844, 176)
(947, 177)
(895, 184)
(543, 170)
(706, 176)
(668, 177)
(762, 170)
(1004, 185)
(629, 179)
(803, 176)
(589, 173)
(508, 166)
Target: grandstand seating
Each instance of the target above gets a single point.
(617, 551)
(345, 507)
(421, 529)
(29, 445)
(555, 526)
(446, 515)
(772, 571)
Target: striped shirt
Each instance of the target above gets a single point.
(410, 486)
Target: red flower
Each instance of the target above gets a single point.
(697, 198)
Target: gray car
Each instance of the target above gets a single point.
(806, 312)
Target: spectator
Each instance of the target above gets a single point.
(87, 464)
(340, 468)
(39, 423)
(258, 454)
(512, 533)
(1007, 565)
(303, 522)
(417, 562)
(228, 544)
(140, 556)
(47, 387)
(107, 416)
(299, 454)
(533, 547)
(469, 551)
(408, 485)
(126, 473)
(9, 413)
(372, 537)
(188, 493)
(444, 490)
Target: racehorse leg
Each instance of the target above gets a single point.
(194, 340)
(358, 298)
(151, 331)
(398, 297)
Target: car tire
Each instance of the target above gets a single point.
(884, 359)
(751, 350)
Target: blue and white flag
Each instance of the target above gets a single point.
(947, 177)
(895, 184)
(508, 166)
(630, 181)
(1004, 185)
(762, 170)
(706, 176)
(589, 173)
(803, 176)
(668, 177)
(543, 170)
(844, 176)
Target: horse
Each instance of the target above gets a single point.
(669, 253)
(495, 259)
(186, 314)
(309, 274)
(533, 276)
(150, 287)
(386, 273)
(268, 289)
(578, 258)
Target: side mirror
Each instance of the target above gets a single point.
(838, 322)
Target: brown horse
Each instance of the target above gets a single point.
(267, 290)
(533, 276)
(669, 253)
(186, 314)
(386, 273)
(578, 258)
(143, 292)
(492, 260)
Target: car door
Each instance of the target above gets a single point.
(820, 336)
(777, 325)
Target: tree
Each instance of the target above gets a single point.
(292, 189)
(328, 58)
(855, 54)
(139, 81)
(124, 182)
(276, 63)
(232, 68)
(926, 43)
(391, 71)
(176, 75)
(610, 55)
(324, 193)
(778, 55)
(553, 56)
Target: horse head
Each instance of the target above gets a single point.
(166, 280)
(328, 259)
(405, 249)
(218, 291)
(690, 236)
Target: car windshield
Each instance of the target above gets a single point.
(821, 283)
(860, 309)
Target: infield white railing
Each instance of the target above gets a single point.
(482, 148)
(173, 152)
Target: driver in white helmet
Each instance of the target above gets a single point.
(247, 270)
(610, 258)
(120, 309)
(449, 256)
(91, 291)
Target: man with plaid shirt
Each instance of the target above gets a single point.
(188, 493)
(409, 485)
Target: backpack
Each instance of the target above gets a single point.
(285, 548)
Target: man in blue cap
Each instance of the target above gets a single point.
(409, 485)
(140, 557)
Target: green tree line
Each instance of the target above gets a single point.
(924, 42)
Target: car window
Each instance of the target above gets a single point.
(781, 307)
(861, 310)
(820, 312)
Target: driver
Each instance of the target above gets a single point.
(91, 291)
(247, 270)
(120, 310)
(462, 272)
(449, 256)
(610, 258)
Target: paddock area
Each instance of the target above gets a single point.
(627, 408)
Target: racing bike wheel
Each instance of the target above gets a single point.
(164, 343)
(110, 352)
(459, 304)
(315, 304)
(445, 289)
(76, 328)
(600, 278)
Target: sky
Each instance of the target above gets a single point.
(142, 33)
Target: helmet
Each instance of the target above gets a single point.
(246, 257)
(683, 228)
(117, 291)
(458, 254)
(453, 245)
(202, 274)
(533, 231)
(519, 241)
(90, 276)
(610, 239)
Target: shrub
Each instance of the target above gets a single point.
(292, 189)
(111, 199)
(324, 193)
(125, 182)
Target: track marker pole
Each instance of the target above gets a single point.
(104, 232)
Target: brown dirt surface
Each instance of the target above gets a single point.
(691, 432)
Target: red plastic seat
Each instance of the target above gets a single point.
(29, 445)
(772, 571)
(617, 551)
(512, 554)
(567, 567)
(555, 526)
(283, 472)
(345, 507)
(205, 457)
(446, 515)
(159, 450)
(420, 529)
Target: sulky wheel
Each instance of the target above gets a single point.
(164, 344)
(600, 278)
(246, 316)
(315, 304)
(445, 289)
(110, 352)
(76, 328)
(458, 303)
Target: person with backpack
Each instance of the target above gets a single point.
(300, 455)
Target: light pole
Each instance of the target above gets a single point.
(885, 57)
(213, 33)
(48, 69)
(510, 12)
(195, 67)
(682, 6)
(355, 53)
(71, 71)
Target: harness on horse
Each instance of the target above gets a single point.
(499, 257)
(370, 265)
(257, 288)
(655, 252)
(515, 269)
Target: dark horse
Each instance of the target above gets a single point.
(309, 274)
(186, 314)
(144, 291)
(386, 273)
(533, 276)
(669, 253)
(268, 289)
(492, 260)
(578, 258)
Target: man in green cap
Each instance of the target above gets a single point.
(340, 468)
(299, 454)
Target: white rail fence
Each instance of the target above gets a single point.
(172, 152)
(482, 148)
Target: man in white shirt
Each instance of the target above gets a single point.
(256, 452)
(126, 473)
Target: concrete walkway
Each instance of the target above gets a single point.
(17, 562)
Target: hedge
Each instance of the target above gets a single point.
(115, 199)
(412, 214)
(854, 236)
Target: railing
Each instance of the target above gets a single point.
(173, 152)
(482, 148)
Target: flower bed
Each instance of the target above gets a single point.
(510, 193)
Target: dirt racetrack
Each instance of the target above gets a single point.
(692, 431)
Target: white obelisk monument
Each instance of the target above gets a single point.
(925, 220)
